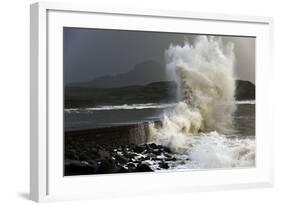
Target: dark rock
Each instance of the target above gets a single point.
(166, 149)
(167, 154)
(131, 166)
(143, 168)
(138, 149)
(71, 154)
(171, 159)
(157, 152)
(121, 159)
(93, 162)
(164, 165)
(78, 168)
(151, 155)
(147, 158)
(153, 146)
(156, 159)
(245, 90)
(106, 166)
(92, 155)
(104, 153)
(130, 155)
(94, 150)
(122, 170)
(83, 156)
(92, 158)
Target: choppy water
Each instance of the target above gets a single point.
(107, 116)
(204, 150)
(214, 149)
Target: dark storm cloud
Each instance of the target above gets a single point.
(93, 53)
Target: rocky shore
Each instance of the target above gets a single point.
(91, 158)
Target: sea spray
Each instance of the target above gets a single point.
(204, 73)
(199, 129)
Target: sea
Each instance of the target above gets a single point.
(192, 151)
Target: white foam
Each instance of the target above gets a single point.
(218, 151)
(242, 102)
(124, 107)
(213, 150)
(204, 73)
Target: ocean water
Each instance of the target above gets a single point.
(115, 115)
(192, 151)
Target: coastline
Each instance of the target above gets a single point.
(119, 149)
(116, 135)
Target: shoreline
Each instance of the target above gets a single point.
(84, 159)
(119, 149)
(118, 135)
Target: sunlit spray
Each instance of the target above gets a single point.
(202, 118)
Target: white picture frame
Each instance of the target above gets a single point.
(47, 182)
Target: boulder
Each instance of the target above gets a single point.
(143, 168)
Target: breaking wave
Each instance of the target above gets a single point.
(200, 123)
(124, 107)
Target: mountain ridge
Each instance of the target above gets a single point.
(155, 92)
(142, 73)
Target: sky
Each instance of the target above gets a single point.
(93, 53)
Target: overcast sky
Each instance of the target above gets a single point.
(93, 53)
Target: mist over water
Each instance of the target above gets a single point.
(201, 124)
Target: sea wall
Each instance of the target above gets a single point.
(117, 135)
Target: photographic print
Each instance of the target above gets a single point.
(142, 101)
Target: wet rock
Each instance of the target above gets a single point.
(131, 166)
(166, 149)
(91, 158)
(156, 159)
(151, 155)
(157, 152)
(93, 162)
(143, 168)
(106, 166)
(167, 155)
(147, 158)
(164, 165)
(94, 150)
(138, 149)
(104, 153)
(121, 159)
(122, 170)
(84, 156)
(153, 146)
(71, 154)
(130, 155)
(78, 168)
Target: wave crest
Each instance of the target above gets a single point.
(204, 74)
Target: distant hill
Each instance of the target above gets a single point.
(156, 92)
(142, 73)
(245, 90)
